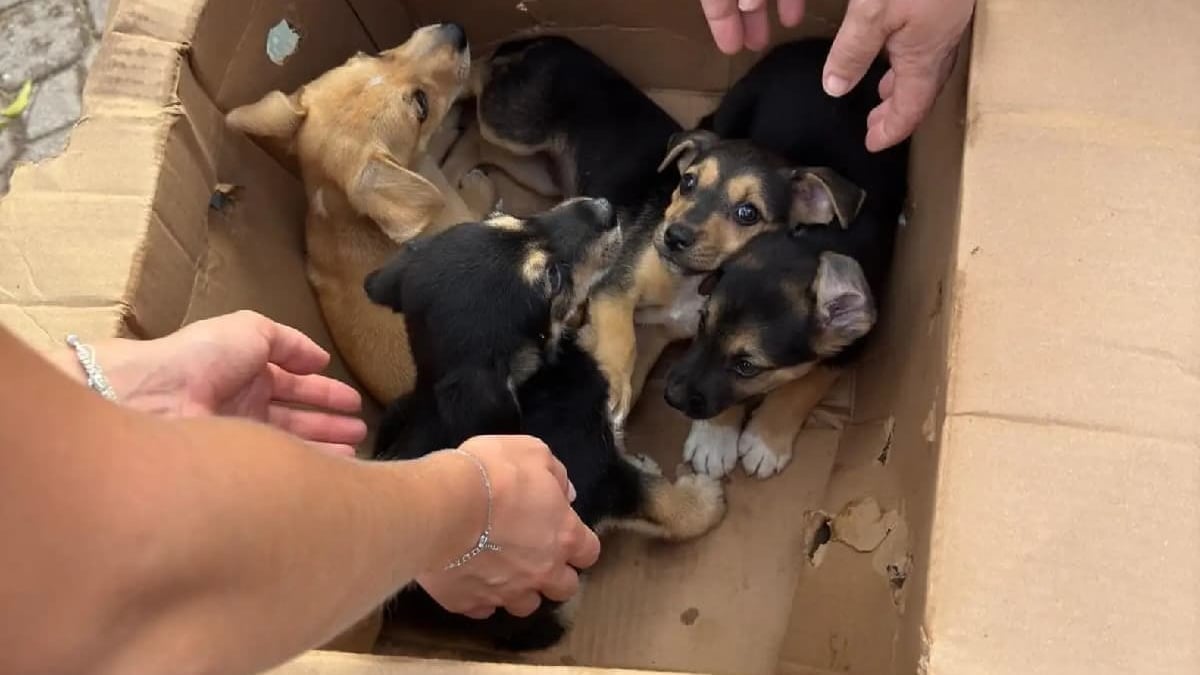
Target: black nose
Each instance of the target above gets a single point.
(679, 238)
(456, 35)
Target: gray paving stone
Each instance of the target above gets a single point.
(55, 104)
(46, 146)
(99, 10)
(39, 37)
(8, 152)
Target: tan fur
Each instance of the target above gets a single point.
(360, 144)
(746, 189)
(708, 173)
(782, 414)
(533, 270)
(505, 222)
(686, 509)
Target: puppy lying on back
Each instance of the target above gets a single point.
(815, 283)
(489, 308)
(605, 138)
(360, 133)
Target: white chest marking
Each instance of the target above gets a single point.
(682, 316)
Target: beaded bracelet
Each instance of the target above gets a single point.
(87, 359)
(485, 542)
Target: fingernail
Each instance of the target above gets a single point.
(745, 5)
(835, 85)
(571, 494)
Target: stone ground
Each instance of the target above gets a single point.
(51, 42)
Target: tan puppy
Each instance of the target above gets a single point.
(360, 133)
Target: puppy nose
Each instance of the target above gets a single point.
(676, 396)
(679, 238)
(696, 404)
(370, 281)
(456, 35)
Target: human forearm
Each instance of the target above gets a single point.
(148, 542)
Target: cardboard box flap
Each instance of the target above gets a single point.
(1068, 524)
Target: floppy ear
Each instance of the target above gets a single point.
(385, 286)
(819, 195)
(275, 115)
(845, 310)
(400, 201)
(686, 146)
(475, 400)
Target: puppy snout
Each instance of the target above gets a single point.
(455, 35)
(679, 238)
(369, 283)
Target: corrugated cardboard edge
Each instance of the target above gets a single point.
(336, 663)
(109, 173)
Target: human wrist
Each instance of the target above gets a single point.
(463, 501)
(130, 368)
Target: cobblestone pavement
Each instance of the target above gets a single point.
(52, 43)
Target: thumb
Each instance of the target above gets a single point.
(858, 42)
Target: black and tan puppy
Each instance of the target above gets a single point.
(489, 308)
(793, 300)
(549, 97)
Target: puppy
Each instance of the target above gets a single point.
(816, 284)
(360, 133)
(549, 97)
(489, 308)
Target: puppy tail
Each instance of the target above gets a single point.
(685, 509)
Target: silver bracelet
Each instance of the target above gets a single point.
(485, 542)
(87, 359)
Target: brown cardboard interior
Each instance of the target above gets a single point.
(910, 580)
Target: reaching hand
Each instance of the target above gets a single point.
(240, 364)
(921, 37)
(542, 541)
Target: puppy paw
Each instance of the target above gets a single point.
(700, 506)
(712, 449)
(479, 192)
(620, 400)
(762, 456)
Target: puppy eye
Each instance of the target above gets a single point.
(745, 369)
(554, 279)
(421, 103)
(747, 214)
(687, 184)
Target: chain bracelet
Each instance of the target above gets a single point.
(95, 376)
(485, 542)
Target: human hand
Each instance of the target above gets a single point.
(922, 39)
(241, 364)
(745, 23)
(542, 540)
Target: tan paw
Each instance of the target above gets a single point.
(479, 192)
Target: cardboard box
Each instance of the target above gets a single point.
(1017, 489)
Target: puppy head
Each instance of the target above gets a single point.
(498, 295)
(362, 125)
(731, 191)
(775, 310)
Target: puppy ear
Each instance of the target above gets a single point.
(400, 201)
(475, 400)
(709, 284)
(686, 146)
(819, 195)
(385, 286)
(275, 115)
(845, 309)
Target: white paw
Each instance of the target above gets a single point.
(758, 459)
(711, 448)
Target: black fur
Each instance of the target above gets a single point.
(471, 315)
(780, 105)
